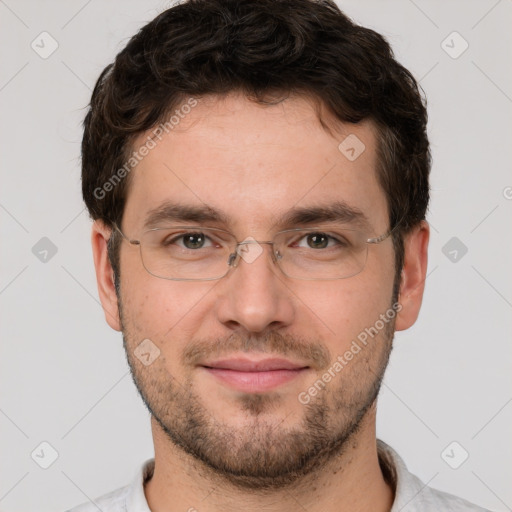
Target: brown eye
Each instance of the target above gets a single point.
(193, 240)
(318, 240)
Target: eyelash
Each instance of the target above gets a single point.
(174, 239)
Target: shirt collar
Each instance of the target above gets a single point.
(405, 485)
(136, 499)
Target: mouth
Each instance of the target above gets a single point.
(252, 375)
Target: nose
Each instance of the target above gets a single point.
(254, 295)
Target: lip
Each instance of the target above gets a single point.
(254, 376)
(252, 365)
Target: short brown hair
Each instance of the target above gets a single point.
(262, 48)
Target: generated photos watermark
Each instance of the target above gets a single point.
(137, 156)
(356, 347)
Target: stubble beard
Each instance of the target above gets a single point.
(263, 454)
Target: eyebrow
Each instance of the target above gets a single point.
(182, 213)
(338, 211)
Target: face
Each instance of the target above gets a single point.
(259, 376)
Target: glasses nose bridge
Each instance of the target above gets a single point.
(234, 257)
(259, 242)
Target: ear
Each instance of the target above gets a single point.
(105, 274)
(413, 275)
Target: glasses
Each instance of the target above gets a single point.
(196, 253)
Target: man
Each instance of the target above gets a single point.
(257, 172)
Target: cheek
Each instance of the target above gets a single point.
(347, 307)
(155, 312)
(159, 309)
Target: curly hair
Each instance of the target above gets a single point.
(265, 49)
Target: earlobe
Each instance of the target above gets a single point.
(105, 274)
(412, 283)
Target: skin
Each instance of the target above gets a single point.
(254, 163)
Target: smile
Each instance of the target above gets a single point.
(254, 376)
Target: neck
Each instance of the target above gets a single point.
(351, 481)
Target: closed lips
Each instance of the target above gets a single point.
(246, 365)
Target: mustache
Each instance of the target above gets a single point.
(314, 353)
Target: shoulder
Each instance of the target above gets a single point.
(114, 501)
(432, 499)
(427, 499)
(130, 498)
(411, 494)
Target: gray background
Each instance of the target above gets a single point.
(64, 378)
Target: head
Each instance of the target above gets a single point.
(234, 115)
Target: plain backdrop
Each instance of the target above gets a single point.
(64, 377)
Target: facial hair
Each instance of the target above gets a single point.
(262, 454)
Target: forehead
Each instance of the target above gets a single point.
(253, 163)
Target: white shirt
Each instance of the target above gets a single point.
(411, 495)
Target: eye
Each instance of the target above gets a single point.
(317, 241)
(192, 241)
